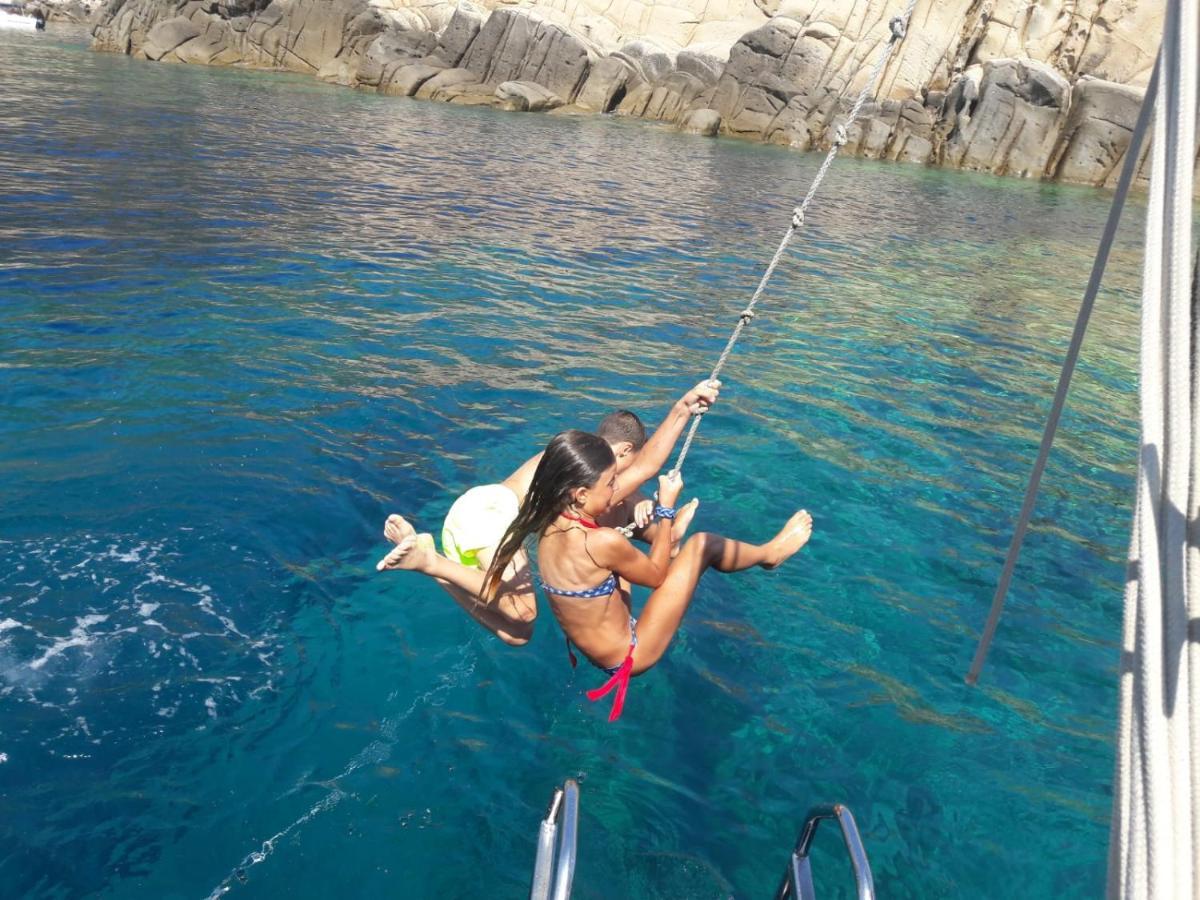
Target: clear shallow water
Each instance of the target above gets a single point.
(245, 316)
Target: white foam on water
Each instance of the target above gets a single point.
(79, 637)
(268, 846)
(96, 614)
(129, 556)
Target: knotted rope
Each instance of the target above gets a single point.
(898, 27)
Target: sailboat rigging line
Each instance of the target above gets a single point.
(1068, 369)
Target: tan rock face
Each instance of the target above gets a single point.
(517, 46)
(1034, 89)
(1111, 39)
(1015, 121)
(607, 83)
(1093, 141)
(169, 35)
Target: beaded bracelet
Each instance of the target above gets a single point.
(664, 512)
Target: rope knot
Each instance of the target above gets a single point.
(840, 136)
(746, 315)
(899, 28)
(798, 217)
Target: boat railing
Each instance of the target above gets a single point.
(554, 869)
(798, 883)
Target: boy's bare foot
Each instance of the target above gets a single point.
(683, 518)
(397, 528)
(414, 552)
(791, 537)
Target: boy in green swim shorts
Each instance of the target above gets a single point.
(477, 521)
(479, 518)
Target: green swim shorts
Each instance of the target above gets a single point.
(477, 521)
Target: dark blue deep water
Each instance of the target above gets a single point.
(245, 316)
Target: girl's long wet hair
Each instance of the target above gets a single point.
(573, 459)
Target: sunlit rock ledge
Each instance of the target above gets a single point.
(1048, 90)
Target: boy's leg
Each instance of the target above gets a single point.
(516, 600)
(510, 616)
(660, 617)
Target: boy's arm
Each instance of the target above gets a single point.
(653, 456)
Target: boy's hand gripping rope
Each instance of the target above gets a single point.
(899, 27)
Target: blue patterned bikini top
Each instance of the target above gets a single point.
(603, 589)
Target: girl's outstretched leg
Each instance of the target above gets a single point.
(664, 610)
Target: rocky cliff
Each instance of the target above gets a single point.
(1046, 89)
(75, 12)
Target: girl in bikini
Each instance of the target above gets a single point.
(586, 570)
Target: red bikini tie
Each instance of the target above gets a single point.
(620, 683)
(586, 523)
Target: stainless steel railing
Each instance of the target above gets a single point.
(797, 882)
(556, 871)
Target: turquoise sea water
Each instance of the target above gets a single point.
(245, 316)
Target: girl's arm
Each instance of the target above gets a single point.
(615, 551)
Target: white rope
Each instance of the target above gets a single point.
(898, 27)
(1156, 797)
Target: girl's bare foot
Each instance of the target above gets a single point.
(414, 552)
(791, 537)
(683, 518)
